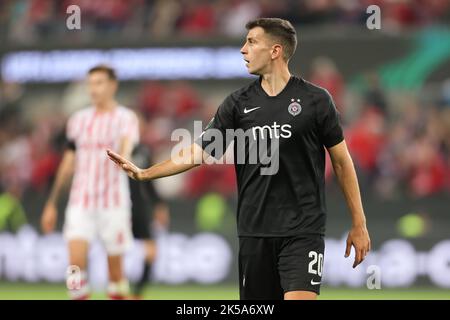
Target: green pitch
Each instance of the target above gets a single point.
(19, 291)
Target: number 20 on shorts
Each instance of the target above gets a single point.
(316, 264)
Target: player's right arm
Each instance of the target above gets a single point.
(188, 158)
(63, 176)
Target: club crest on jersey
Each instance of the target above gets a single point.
(295, 108)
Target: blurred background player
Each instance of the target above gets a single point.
(99, 203)
(149, 214)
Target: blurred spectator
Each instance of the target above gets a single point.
(12, 215)
(175, 100)
(374, 95)
(446, 93)
(237, 15)
(427, 172)
(325, 74)
(211, 178)
(41, 15)
(10, 95)
(15, 158)
(391, 165)
(45, 155)
(366, 138)
(198, 18)
(150, 98)
(75, 97)
(163, 16)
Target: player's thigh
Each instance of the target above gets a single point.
(300, 295)
(300, 265)
(258, 274)
(114, 230)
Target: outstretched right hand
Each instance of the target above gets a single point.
(132, 170)
(48, 218)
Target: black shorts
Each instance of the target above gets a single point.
(140, 224)
(269, 267)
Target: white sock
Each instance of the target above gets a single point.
(120, 289)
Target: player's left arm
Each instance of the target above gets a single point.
(344, 169)
(125, 147)
(129, 136)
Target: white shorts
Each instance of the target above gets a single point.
(111, 226)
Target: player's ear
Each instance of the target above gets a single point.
(276, 51)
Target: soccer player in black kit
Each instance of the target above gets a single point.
(281, 216)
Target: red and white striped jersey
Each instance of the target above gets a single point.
(98, 183)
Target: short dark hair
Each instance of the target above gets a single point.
(280, 29)
(110, 72)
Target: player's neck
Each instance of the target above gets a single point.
(275, 81)
(106, 106)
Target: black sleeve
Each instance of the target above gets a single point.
(216, 130)
(70, 144)
(69, 140)
(328, 119)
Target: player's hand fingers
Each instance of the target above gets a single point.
(363, 255)
(115, 161)
(357, 258)
(131, 170)
(47, 225)
(129, 167)
(115, 157)
(366, 249)
(348, 248)
(122, 162)
(48, 218)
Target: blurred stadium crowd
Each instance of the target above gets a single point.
(30, 21)
(399, 141)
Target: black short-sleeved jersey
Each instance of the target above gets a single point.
(302, 119)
